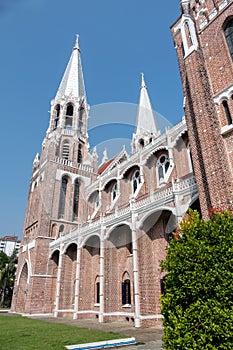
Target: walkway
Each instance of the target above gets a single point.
(148, 338)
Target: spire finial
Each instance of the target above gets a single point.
(143, 84)
(185, 6)
(76, 46)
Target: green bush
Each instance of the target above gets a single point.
(198, 303)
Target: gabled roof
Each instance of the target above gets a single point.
(111, 163)
(104, 166)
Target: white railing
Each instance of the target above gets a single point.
(181, 185)
(63, 161)
(83, 167)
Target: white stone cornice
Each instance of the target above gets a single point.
(224, 95)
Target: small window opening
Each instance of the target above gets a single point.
(70, 110)
(57, 114)
(80, 154)
(97, 293)
(227, 112)
(141, 143)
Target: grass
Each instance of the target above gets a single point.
(20, 333)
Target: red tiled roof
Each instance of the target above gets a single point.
(105, 165)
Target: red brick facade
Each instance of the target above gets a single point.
(207, 74)
(97, 254)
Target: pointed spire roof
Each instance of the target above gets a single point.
(145, 118)
(72, 83)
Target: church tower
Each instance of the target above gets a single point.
(56, 201)
(203, 38)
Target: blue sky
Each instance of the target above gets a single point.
(118, 39)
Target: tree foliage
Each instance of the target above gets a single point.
(198, 304)
(7, 277)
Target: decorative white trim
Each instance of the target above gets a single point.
(226, 129)
(186, 19)
(213, 13)
(224, 95)
(119, 314)
(151, 317)
(44, 276)
(223, 4)
(31, 244)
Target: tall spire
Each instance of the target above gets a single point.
(145, 119)
(146, 130)
(72, 83)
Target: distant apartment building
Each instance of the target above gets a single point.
(8, 244)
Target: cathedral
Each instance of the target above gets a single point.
(94, 235)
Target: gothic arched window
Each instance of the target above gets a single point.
(163, 166)
(63, 197)
(227, 112)
(97, 290)
(57, 115)
(69, 115)
(126, 293)
(136, 180)
(114, 191)
(65, 149)
(228, 32)
(70, 110)
(76, 200)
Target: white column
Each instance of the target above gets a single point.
(58, 286)
(135, 271)
(102, 251)
(77, 280)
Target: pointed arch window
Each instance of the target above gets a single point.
(228, 32)
(69, 116)
(163, 166)
(62, 202)
(97, 290)
(65, 149)
(227, 112)
(76, 200)
(70, 110)
(126, 292)
(114, 191)
(136, 180)
(188, 33)
(57, 115)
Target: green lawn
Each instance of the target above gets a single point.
(20, 333)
